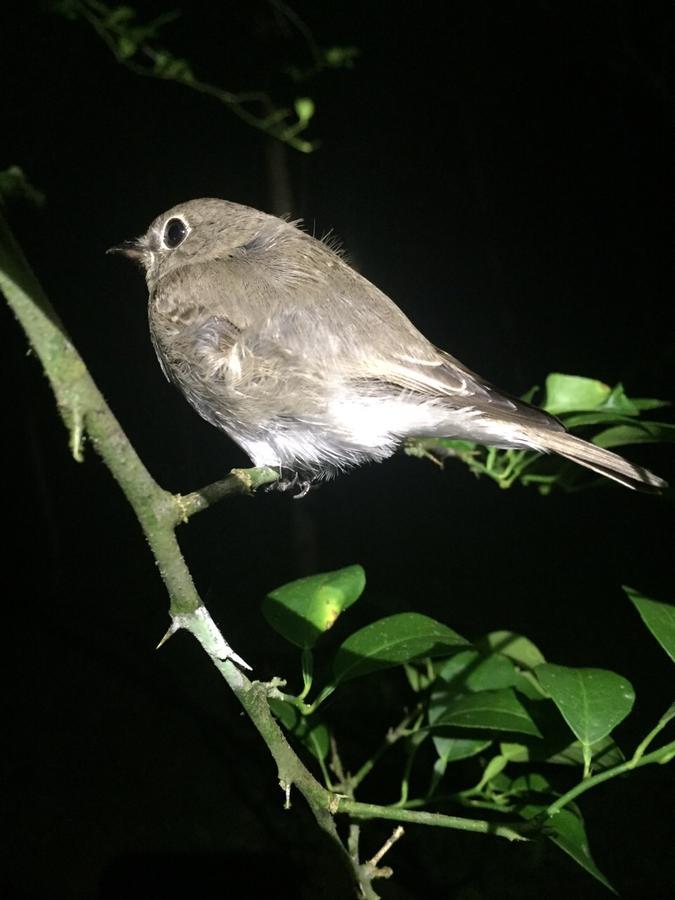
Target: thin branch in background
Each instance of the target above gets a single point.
(135, 45)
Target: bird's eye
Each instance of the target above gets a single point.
(175, 232)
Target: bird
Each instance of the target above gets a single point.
(276, 340)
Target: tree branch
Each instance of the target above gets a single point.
(358, 810)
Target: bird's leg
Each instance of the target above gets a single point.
(290, 480)
(304, 486)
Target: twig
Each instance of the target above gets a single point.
(662, 755)
(356, 810)
(397, 833)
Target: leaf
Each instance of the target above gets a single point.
(599, 417)
(658, 617)
(310, 731)
(528, 686)
(621, 403)
(518, 648)
(530, 783)
(391, 642)
(316, 738)
(568, 393)
(301, 611)
(451, 749)
(494, 768)
(488, 711)
(420, 677)
(604, 755)
(469, 670)
(569, 834)
(636, 433)
(592, 701)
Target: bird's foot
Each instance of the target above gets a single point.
(291, 481)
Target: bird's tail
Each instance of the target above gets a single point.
(599, 460)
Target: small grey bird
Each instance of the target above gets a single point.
(274, 339)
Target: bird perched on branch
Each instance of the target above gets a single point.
(276, 340)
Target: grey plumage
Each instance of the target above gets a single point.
(274, 339)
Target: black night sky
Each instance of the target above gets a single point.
(503, 172)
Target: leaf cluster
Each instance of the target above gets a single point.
(495, 700)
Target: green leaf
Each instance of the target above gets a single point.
(599, 417)
(568, 393)
(619, 401)
(528, 686)
(494, 768)
(392, 641)
(451, 749)
(569, 834)
(488, 711)
(604, 754)
(286, 713)
(316, 738)
(658, 617)
(469, 670)
(518, 648)
(636, 433)
(622, 404)
(592, 701)
(419, 676)
(303, 610)
(310, 731)
(530, 783)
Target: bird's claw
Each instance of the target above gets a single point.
(290, 482)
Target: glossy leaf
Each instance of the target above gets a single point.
(568, 393)
(531, 783)
(470, 670)
(604, 754)
(488, 711)
(310, 731)
(518, 648)
(597, 417)
(658, 617)
(451, 749)
(592, 701)
(391, 642)
(636, 433)
(622, 404)
(303, 610)
(569, 833)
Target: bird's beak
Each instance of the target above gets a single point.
(133, 249)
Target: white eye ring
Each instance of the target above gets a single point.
(175, 230)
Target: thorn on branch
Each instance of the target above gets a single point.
(76, 427)
(173, 628)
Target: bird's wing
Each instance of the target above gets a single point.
(438, 377)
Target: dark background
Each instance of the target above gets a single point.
(502, 171)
